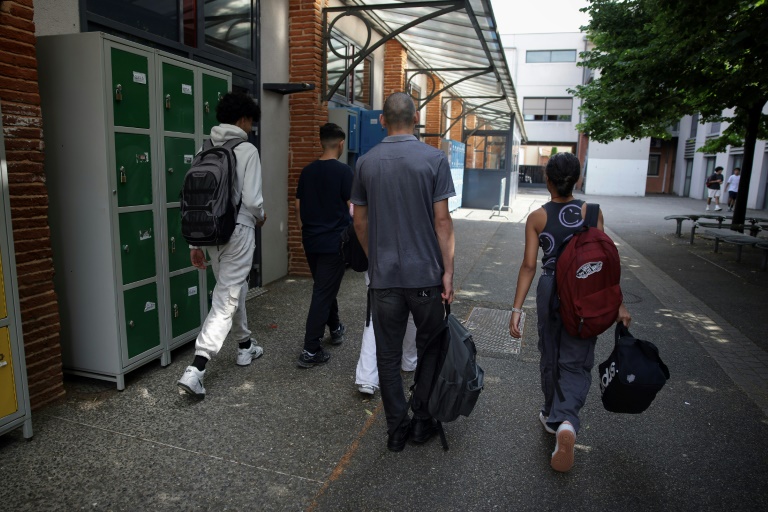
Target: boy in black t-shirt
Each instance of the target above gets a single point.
(713, 188)
(322, 211)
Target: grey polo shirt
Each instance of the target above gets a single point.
(399, 180)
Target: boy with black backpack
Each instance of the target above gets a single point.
(566, 357)
(230, 238)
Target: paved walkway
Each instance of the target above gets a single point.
(273, 437)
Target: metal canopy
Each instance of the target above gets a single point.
(455, 40)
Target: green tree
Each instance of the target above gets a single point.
(659, 60)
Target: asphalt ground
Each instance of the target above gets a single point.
(273, 437)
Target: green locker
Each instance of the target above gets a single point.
(130, 88)
(214, 88)
(114, 173)
(137, 245)
(142, 323)
(185, 303)
(133, 168)
(178, 99)
(179, 154)
(178, 249)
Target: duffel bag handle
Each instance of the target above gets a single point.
(621, 331)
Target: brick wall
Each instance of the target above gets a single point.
(395, 62)
(434, 121)
(22, 129)
(307, 112)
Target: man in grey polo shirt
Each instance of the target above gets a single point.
(400, 191)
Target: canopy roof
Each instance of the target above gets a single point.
(456, 40)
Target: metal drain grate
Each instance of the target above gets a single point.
(255, 292)
(490, 331)
(631, 298)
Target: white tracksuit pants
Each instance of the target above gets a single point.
(231, 264)
(367, 370)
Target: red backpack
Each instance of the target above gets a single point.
(588, 273)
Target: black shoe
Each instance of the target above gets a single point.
(422, 430)
(396, 442)
(308, 361)
(337, 336)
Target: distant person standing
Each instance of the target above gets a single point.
(322, 211)
(733, 188)
(713, 188)
(401, 193)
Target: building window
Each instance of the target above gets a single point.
(714, 128)
(547, 109)
(694, 125)
(653, 165)
(217, 29)
(357, 87)
(535, 56)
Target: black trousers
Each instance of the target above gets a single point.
(390, 308)
(327, 272)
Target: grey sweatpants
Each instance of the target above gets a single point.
(575, 360)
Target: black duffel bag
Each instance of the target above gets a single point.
(351, 250)
(632, 374)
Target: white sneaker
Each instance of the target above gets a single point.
(707, 208)
(562, 457)
(366, 389)
(717, 208)
(192, 381)
(246, 355)
(543, 419)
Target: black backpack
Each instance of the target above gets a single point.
(458, 379)
(632, 374)
(351, 250)
(208, 213)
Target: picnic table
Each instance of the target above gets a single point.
(753, 229)
(764, 247)
(738, 240)
(679, 219)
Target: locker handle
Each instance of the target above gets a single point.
(173, 244)
(126, 248)
(131, 324)
(175, 311)
(167, 102)
(207, 107)
(119, 93)
(3, 362)
(170, 170)
(123, 176)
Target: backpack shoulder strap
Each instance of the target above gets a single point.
(593, 214)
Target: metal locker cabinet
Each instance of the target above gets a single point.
(214, 87)
(14, 394)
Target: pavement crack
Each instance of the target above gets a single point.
(195, 452)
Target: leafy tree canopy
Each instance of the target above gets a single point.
(658, 60)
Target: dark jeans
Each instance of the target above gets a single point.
(390, 309)
(327, 272)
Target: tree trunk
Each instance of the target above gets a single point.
(750, 140)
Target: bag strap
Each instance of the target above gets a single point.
(593, 214)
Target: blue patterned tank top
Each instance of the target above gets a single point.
(563, 221)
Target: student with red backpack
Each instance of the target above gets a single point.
(566, 358)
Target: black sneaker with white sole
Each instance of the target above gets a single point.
(337, 336)
(306, 360)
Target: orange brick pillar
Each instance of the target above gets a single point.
(434, 121)
(308, 112)
(22, 127)
(395, 62)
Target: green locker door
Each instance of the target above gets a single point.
(178, 101)
(210, 281)
(130, 89)
(185, 303)
(214, 88)
(133, 168)
(142, 319)
(178, 248)
(178, 159)
(137, 246)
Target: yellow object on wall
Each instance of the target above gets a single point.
(3, 309)
(8, 404)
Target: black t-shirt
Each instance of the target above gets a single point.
(324, 189)
(714, 181)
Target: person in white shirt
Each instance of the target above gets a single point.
(733, 188)
(232, 261)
